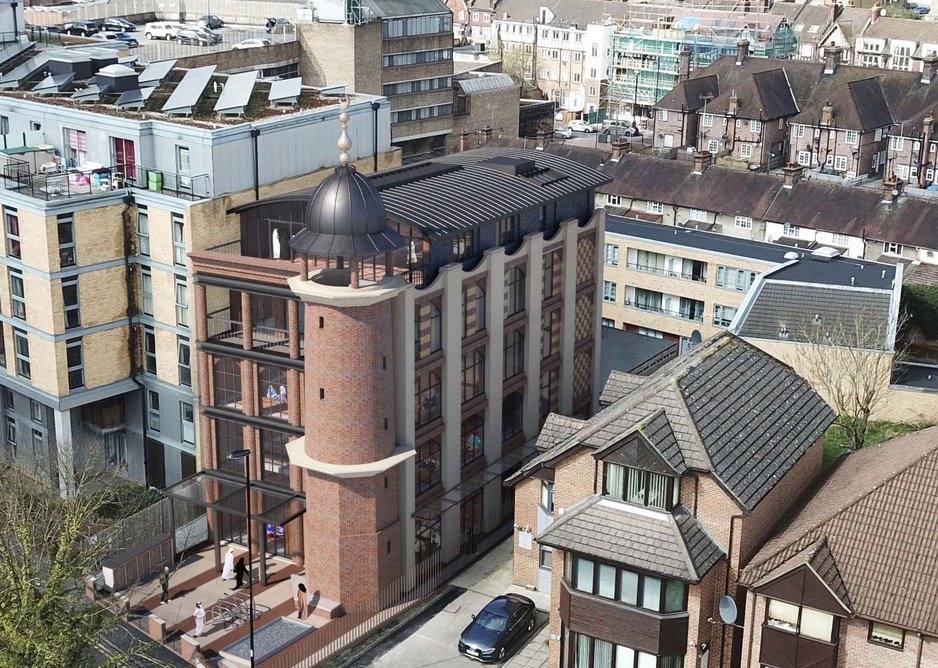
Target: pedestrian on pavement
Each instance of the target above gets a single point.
(302, 602)
(164, 585)
(199, 615)
(240, 569)
(228, 571)
(270, 25)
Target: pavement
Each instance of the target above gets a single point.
(429, 640)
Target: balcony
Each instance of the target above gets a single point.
(222, 328)
(692, 314)
(785, 649)
(91, 180)
(687, 276)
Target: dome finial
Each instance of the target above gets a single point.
(344, 142)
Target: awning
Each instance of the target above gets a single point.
(223, 491)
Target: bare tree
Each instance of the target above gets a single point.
(850, 361)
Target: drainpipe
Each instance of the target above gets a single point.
(16, 32)
(375, 106)
(255, 133)
(133, 339)
(918, 655)
(726, 584)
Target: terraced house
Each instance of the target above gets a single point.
(640, 518)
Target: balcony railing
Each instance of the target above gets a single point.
(221, 328)
(17, 177)
(667, 272)
(684, 315)
(273, 339)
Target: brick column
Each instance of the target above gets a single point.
(247, 322)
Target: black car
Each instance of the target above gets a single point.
(498, 629)
(211, 21)
(118, 24)
(81, 28)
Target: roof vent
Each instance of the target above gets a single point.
(791, 255)
(825, 253)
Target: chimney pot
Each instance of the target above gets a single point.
(792, 174)
(832, 56)
(683, 67)
(701, 161)
(929, 69)
(620, 146)
(543, 138)
(890, 189)
(742, 51)
(487, 134)
(733, 105)
(827, 113)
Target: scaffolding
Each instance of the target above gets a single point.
(647, 43)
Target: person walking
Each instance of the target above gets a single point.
(164, 585)
(270, 25)
(228, 571)
(199, 615)
(302, 602)
(239, 570)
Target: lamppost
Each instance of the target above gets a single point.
(246, 456)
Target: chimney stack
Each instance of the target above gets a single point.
(929, 69)
(742, 51)
(683, 64)
(827, 113)
(924, 154)
(701, 161)
(792, 174)
(543, 138)
(832, 56)
(890, 189)
(620, 146)
(732, 107)
(487, 134)
(464, 139)
(875, 12)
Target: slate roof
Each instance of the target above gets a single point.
(391, 8)
(673, 544)
(843, 311)
(733, 410)
(631, 352)
(618, 385)
(887, 27)
(876, 513)
(557, 428)
(482, 84)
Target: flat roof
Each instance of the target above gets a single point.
(626, 351)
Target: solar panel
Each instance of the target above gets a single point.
(285, 91)
(237, 93)
(189, 90)
(134, 98)
(54, 83)
(18, 75)
(156, 72)
(90, 94)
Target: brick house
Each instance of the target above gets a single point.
(850, 582)
(645, 513)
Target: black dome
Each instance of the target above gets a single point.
(345, 217)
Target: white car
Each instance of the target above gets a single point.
(251, 44)
(162, 30)
(580, 126)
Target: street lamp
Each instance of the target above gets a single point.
(246, 456)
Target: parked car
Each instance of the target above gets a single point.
(46, 29)
(563, 133)
(198, 36)
(115, 37)
(251, 44)
(81, 28)
(580, 126)
(162, 30)
(211, 21)
(118, 24)
(498, 628)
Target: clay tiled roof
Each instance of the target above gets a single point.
(673, 544)
(730, 409)
(877, 514)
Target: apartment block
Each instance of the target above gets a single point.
(101, 206)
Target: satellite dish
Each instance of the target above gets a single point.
(882, 12)
(695, 337)
(728, 610)
(791, 255)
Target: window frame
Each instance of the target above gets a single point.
(181, 297)
(143, 231)
(76, 371)
(149, 351)
(23, 366)
(742, 222)
(657, 605)
(68, 309)
(153, 411)
(67, 250)
(611, 254)
(179, 240)
(12, 227)
(184, 360)
(17, 294)
(871, 636)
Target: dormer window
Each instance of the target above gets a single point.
(643, 488)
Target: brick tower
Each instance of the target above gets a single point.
(352, 525)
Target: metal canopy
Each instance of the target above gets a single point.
(134, 98)
(54, 83)
(285, 91)
(156, 72)
(189, 90)
(19, 75)
(236, 94)
(220, 490)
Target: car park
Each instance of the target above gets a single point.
(118, 24)
(162, 30)
(198, 36)
(211, 21)
(251, 44)
(81, 28)
(580, 126)
(498, 629)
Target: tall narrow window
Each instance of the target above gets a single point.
(76, 147)
(13, 233)
(473, 374)
(143, 231)
(183, 167)
(473, 435)
(70, 304)
(185, 366)
(146, 291)
(514, 299)
(182, 302)
(3, 346)
(75, 364)
(179, 241)
(21, 348)
(187, 417)
(18, 294)
(125, 157)
(149, 350)
(66, 229)
(153, 410)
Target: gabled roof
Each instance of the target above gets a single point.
(887, 27)
(733, 411)
(673, 544)
(618, 385)
(691, 94)
(819, 560)
(557, 428)
(876, 513)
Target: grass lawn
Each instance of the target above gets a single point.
(835, 441)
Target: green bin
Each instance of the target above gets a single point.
(155, 181)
